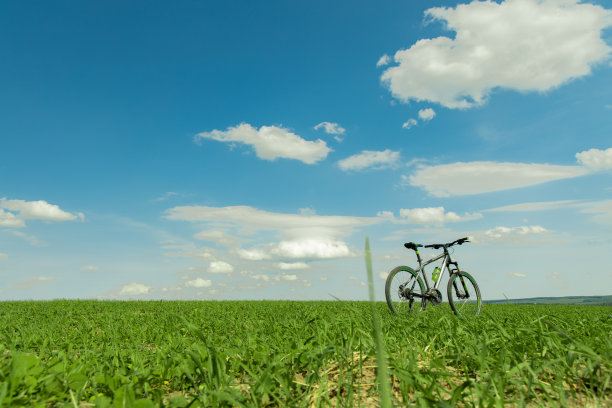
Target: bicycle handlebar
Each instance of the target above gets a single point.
(459, 241)
(415, 246)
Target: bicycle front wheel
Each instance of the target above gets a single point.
(404, 291)
(464, 295)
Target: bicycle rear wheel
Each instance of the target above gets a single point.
(464, 295)
(404, 291)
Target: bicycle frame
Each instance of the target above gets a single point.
(446, 262)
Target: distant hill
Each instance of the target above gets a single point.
(564, 300)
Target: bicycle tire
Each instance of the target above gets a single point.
(398, 303)
(464, 295)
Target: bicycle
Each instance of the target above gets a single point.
(404, 285)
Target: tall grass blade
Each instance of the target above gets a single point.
(382, 373)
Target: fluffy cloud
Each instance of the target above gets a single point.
(409, 124)
(271, 142)
(90, 268)
(525, 45)
(516, 275)
(483, 177)
(596, 159)
(3, 256)
(134, 289)
(220, 267)
(253, 254)
(372, 160)
(198, 283)
(427, 114)
(434, 215)
(8, 219)
(40, 210)
(289, 266)
(511, 235)
(259, 276)
(384, 60)
(286, 277)
(331, 128)
(311, 248)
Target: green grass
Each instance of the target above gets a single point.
(152, 354)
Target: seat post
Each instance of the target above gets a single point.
(418, 255)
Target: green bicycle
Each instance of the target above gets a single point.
(404, 286)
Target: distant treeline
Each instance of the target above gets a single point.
(564, 300)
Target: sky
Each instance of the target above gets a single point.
(245, 150)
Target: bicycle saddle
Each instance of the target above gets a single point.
(412, 245)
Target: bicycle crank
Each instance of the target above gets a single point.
(435, 297)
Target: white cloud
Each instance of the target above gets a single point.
(371, 160)
(165, 196)
(385, 214)
(3, 256)
(524, 45)
(483, 177)
(409, 123)
(134, 289)
(288, 266)
(304, 235)
(198, 283)
(517, 275)
(331, 128)
(286, 277)
(427, 114)
(220, 267)
(217, 236)
(271, 142)
(383, 275)
(260, 276)
(90, 268)
(290, 225)
(384, 60)
(596, 159)
(536, 206)
(41, 210)
(311, 248)
(510, 235)
(8, 219)
(434, 215)
(253, 254)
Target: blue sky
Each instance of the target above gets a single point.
(244, 150)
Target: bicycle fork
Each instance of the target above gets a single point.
(461, 295)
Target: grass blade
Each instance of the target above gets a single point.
(382, 374)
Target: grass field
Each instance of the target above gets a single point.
(178, 354)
